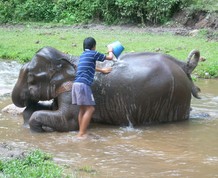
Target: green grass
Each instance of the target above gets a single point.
(21, 43)
(36, 164)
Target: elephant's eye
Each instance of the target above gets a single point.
(59, 66)
(30, 78)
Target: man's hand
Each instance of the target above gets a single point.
(104, 70)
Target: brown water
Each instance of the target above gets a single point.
(181, 149)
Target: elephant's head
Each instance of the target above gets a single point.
(42, 76)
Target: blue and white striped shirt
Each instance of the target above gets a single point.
(86, 67)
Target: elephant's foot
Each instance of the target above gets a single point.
(29, 110)
(41, 129)
(36, 126)
(35, 122)
(47, 129)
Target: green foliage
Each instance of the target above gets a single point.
(209, 71)
(134, 10)
(108, 12)
(84, 11)
(26, 10)
(35, 10)
(64, 11)
(74, 11)
(7, 9)
(212, 70)
(36, 164)
(161, 11)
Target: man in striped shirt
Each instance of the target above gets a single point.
(81, 91)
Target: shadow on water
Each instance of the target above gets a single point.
(181, 149)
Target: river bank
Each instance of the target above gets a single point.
(20, 42)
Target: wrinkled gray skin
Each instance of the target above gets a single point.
(143, 88)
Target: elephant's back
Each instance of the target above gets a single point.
(146, 66)
(144, 87)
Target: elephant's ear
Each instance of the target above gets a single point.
(63, 71)
(192, 60)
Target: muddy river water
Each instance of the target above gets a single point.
(181, 149)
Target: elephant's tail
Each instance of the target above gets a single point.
(195, 89)
(192, 60)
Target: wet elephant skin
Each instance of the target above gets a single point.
(143, 88)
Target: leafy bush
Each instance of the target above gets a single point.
(35, 10)
(74, 11)
(64, 11)
(7, 9)
(134, 10)
(161, 11)
(108, 12)
(142, 11)
(77, 11)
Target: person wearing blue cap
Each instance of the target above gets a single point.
(81, 91)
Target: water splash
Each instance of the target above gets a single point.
(9, 71)
(130, 123)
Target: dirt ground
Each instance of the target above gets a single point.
(197, 20)
(183, 23)
(9, 151)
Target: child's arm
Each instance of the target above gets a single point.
(104, 70)
(110, 54)
(109, 57)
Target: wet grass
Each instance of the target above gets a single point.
(36, 164)
(21, 42)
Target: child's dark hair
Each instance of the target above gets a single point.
(89, 43)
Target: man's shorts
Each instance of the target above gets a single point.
(82, 94)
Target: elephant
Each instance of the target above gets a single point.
(143, 88)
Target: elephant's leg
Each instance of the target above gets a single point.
(51, 119)
(31, 108)
(61, 120)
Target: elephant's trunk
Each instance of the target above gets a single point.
(17, 98)
(20, 93)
